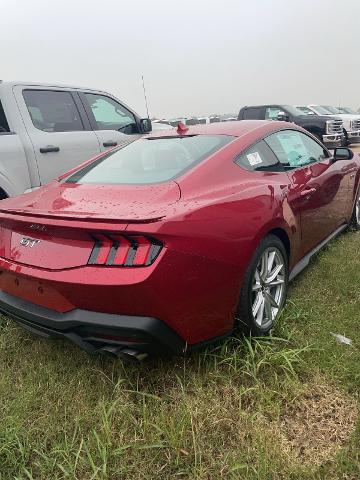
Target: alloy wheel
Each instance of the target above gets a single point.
(268, 286)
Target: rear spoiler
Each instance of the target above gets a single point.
(82, 221)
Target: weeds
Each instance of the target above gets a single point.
(225, 412)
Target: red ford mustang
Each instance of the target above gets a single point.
(175, 239)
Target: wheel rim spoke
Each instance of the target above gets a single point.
(264, 267)
(270, 262)
(276, 282)
(271, 299)
(257, 282)
(257, 304)
(272, 275)
(268, 309)
(260, 316)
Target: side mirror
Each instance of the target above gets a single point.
(283, 117)
(145, 125)
(343, 153)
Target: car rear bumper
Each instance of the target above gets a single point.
(94, 331)
(194, 297)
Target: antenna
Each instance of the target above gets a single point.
(146, 103)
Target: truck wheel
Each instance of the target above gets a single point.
(318, 136)
(345, 141)
(3, 194)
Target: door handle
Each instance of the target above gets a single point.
(308, 192)
(110, 143)
(49, 148)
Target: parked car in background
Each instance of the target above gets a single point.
(174, 122)
(160, 125)
(46, 130)
(176, 239)
(347, 110)
(327, 130)
(351, 121)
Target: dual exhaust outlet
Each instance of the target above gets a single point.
(128, 354)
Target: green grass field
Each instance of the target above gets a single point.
(284, 407)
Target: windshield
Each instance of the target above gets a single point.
(150, 160)
(306, 110)
(346, 110)
(330, 109)
(294, 111)
(320, 110)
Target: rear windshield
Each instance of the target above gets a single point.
(147, 161)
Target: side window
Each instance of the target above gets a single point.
(259, 157)
(109, 114)
(295, 149)
(271, 113)
(53, 111)
(252, 113)
(4, 126)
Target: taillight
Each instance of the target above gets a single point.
(124, 250)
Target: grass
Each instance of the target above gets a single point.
(284, 407)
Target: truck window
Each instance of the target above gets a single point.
(4, 126)
(53, 111)
(251, 113)
(271, 113)
(109, 114)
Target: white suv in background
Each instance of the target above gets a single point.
(351, 120)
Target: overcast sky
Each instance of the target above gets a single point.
(198, 56)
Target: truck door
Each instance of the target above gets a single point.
(58, 128)
(113, 123)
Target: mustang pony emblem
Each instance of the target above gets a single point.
(29, 242)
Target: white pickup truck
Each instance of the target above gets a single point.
(351, 120)
(46, 130)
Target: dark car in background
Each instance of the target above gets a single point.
(329, 130)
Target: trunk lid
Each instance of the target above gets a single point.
(128, 203)
(51, 228)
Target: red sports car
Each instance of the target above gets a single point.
(175, 239)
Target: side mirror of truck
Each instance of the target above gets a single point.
(283, 117)
(343, 153)
(145, 125)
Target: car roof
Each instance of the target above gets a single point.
(265, 105)
(235, 129)
(13, 83)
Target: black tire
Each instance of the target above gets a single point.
(318, 136)
(245, 317)
(355, 218)
(345, 142)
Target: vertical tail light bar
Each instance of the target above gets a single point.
(124, 250)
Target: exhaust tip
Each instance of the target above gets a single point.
(128, 354)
